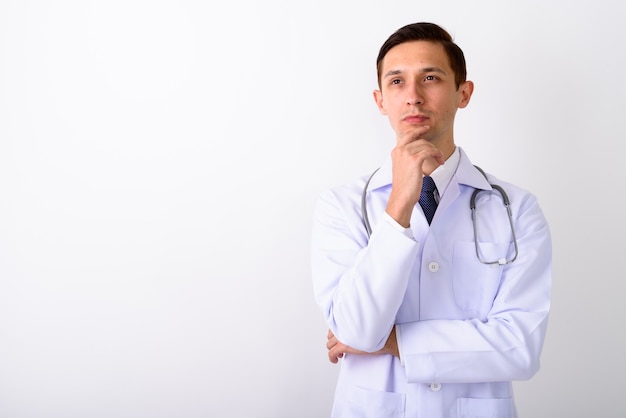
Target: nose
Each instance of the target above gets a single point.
(415, 97)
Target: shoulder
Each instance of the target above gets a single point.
(344, 194)
(514, 190)
(524, 206)
(469, 174)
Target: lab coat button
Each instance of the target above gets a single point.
(433, 267)
(435, 387)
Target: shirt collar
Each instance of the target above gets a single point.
(442, 175)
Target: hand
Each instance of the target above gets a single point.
(337, 349)
(411, 158)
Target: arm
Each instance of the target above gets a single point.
(507, 344)
(336, 349)
(360, 284)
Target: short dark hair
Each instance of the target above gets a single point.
(424, 31)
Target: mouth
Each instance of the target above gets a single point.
(415, 118)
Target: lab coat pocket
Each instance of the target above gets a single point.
(475, 284)
(485, 408)
(365, 403)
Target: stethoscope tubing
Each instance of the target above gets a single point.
(505, 201)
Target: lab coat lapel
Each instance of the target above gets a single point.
(466, 175)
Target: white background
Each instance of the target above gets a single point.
(159, 164)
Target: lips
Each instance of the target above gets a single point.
(415, 118)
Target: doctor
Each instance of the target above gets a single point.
(421, 326)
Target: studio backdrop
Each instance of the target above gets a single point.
(159, 165)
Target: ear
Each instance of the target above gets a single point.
(378, 98)
(465, 93)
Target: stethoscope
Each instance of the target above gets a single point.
(505, 201)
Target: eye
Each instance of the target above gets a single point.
(396, 81)
(430, 78)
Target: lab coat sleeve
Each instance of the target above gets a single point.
(359, 286)
(508, 344)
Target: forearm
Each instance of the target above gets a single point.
(457, 351)
(504, 344)
(337, 349)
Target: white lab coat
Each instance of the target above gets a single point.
(465, 330)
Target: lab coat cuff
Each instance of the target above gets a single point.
(415, 364)
(406, 231)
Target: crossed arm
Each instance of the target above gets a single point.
(410, 157)
(337, 349)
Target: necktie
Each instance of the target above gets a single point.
(427, 198)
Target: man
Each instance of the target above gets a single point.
(431, 319)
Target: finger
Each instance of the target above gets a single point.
(332, 340)
(335, 354)
(438, 157)
(413, 135)
(331, 343)
(424, 150)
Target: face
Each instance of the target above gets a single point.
(418, 89)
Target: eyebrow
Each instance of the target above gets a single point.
(423, 70)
